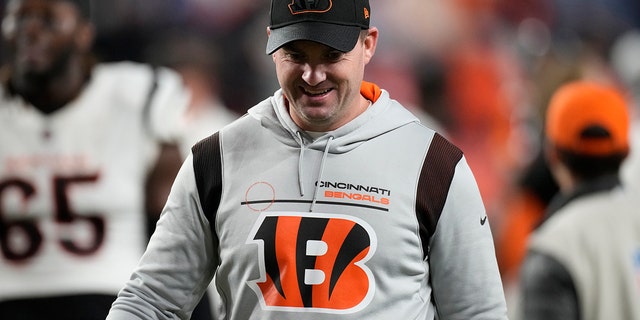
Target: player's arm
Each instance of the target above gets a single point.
(464, 273)
(159, 181)
(164, 108)
(178, 264)
(547, 289)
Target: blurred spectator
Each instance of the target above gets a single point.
(524, 210)
(197, 60)
(527, 199)
(582, 263)
(419, 86)
(141, 24)
(482, 90)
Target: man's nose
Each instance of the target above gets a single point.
(313, 74)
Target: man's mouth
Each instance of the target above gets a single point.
(316, 93)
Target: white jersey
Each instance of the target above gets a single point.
(204, 121)
(72, 182)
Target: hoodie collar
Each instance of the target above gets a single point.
(370, 91)
(382, 116)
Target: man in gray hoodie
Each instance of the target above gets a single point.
(327, 200)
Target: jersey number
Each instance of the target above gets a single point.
(31, 239)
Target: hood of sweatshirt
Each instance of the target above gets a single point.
(383, 115)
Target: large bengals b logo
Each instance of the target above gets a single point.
(308, 6)
(313, 262)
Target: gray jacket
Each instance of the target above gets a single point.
(584, 261)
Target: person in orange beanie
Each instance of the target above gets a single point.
(583, 261)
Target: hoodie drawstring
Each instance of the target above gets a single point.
(324, 157)
(301, 169)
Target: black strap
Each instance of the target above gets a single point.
(433, 185)
(146, 111)
(207, 165)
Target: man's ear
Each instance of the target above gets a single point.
(560, 172)
(370, 43)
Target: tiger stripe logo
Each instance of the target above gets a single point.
(310, 6)
(313, 262)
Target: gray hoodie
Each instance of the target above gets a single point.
(379, 219)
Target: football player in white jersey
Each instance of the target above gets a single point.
(77, 142)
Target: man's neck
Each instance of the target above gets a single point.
(49, 94)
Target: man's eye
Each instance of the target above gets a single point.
(334, 55)
(294, 56)
(47, 20)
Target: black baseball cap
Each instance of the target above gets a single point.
(335, 23)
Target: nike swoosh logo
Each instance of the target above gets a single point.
(483, 220)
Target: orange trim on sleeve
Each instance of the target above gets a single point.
(370, 91)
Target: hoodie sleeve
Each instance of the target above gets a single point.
(464, 273)
(178, 264)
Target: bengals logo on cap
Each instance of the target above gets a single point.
(313, 262)
(310, 6)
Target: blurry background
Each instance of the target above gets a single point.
(508, 44)
(517, 34)
(481, 71)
